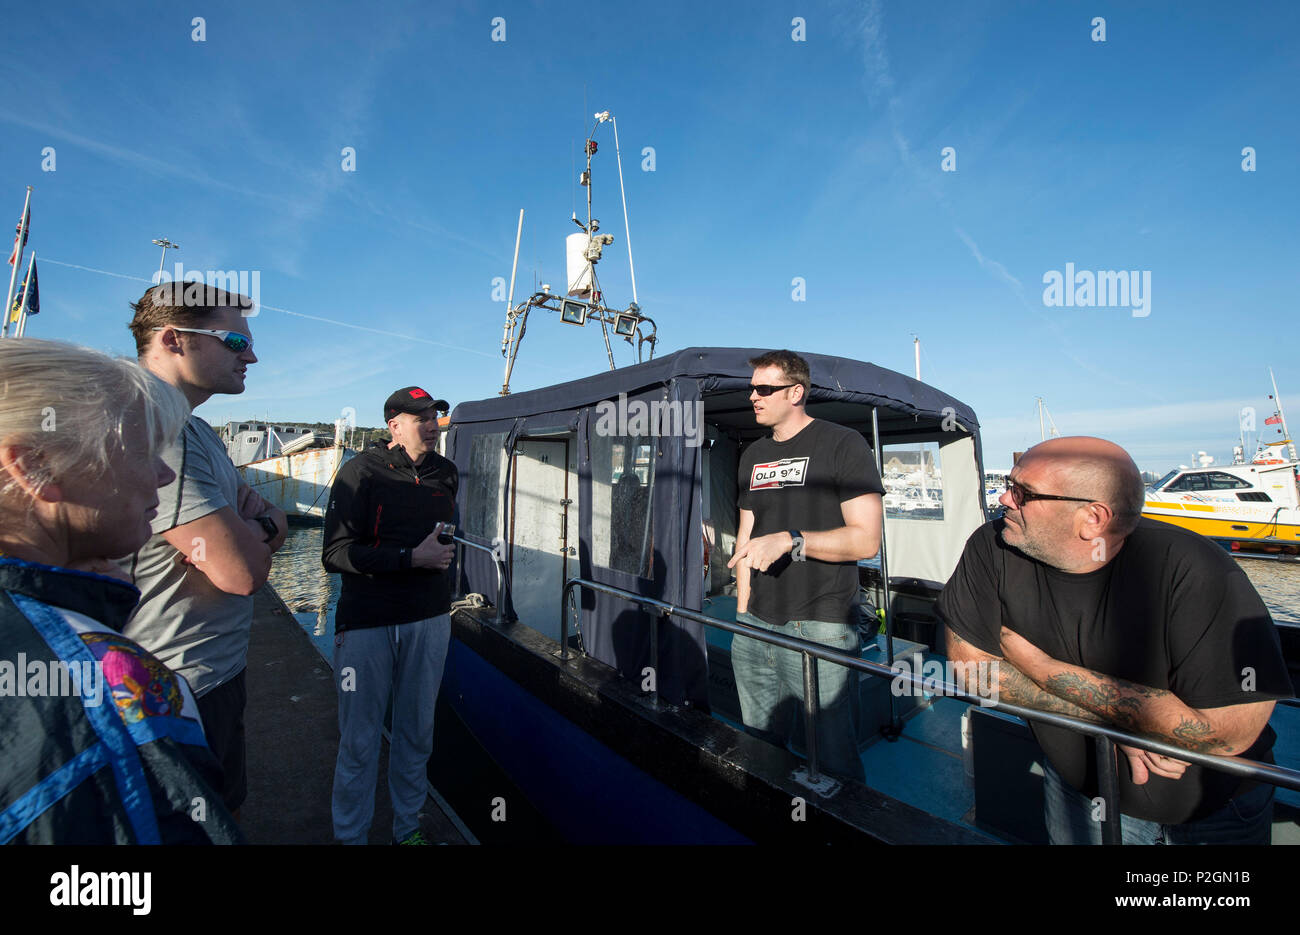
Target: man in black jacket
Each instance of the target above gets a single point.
(388, 509)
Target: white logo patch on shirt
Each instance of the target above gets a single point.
(788, 472)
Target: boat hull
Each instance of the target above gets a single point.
(297, 483)
(1242, 532)
(593, 760)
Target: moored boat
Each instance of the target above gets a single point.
(1253, 510)
(290, 466)
(1250, 508)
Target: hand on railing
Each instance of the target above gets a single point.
(1144, 762)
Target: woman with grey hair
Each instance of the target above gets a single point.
(99, 742)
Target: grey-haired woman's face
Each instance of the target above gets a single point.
(109, 515)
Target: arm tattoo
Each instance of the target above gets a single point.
(1101, 697)
(1121, 702)
(1016, 687)
(1198, 735)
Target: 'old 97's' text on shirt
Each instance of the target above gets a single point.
(381, 507)
(800, 483)
(1171, 611)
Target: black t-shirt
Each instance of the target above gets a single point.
(1171, 611)
(799, 484)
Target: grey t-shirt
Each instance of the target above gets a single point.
(196, 629)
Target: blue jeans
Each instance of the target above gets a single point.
(769, 680)
(1247, 819)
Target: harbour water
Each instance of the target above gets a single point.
(309, 592)
(312, 594)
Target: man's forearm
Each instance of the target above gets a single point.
(1013, 686)
(743, 575)
(846, 544)
(1152, 711)
(1019, 689)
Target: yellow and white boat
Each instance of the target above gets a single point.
(1250, 509)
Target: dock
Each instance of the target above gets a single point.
(291, 728)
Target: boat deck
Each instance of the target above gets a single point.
(924, 765)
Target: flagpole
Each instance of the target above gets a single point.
(27, 290)
(18, 260)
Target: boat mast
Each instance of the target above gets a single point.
(1282, 415)
(589, 148)
(508, 336)
(583, 299)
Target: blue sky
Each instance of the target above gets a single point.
(774, 159)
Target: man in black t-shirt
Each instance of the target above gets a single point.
(810, 508)
(1093, 612)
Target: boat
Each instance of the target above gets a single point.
(558, 710)
(1252, 508)
(290, 466)
(995, 485)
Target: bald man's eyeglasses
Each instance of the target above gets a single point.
(1020, 496)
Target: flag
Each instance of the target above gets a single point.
(1274, 419)
(21, 232)
(33, 297)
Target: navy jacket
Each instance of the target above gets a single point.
(381, 507)
(115, 755)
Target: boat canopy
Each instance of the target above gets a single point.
(647, 508)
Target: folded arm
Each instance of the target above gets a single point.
(1012, 685)
(226, 548)
(1155, 712)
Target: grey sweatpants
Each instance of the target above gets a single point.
(408, 659)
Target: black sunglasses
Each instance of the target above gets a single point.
(1021, 496)
(766, 389)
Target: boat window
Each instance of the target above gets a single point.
(622, 480)
(913, 481)
(1164, 480)
(1223, 481)
(483, 486)
(1191, 482)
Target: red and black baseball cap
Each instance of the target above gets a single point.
(414, 400)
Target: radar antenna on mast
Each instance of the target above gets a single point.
(583, 298)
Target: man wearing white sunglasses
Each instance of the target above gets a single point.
(213, 535)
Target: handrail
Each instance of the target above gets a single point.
(1108, 787)
(501, 572)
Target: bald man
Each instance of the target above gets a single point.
(1093, 612)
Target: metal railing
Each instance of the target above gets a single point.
(501, 572)
(1104, 737)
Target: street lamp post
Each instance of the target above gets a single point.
(165, 244)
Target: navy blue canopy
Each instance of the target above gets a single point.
(613, 630)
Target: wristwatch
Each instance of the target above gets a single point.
(796, 546)
(268, 525)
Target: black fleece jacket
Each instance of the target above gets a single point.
(381, 507)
